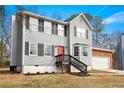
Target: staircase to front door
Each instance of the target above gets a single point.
(70, 60)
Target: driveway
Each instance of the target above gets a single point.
(113, 71)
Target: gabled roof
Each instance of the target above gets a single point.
(78, 15)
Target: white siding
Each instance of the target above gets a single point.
(40, 69)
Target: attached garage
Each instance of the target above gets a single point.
(101, 58)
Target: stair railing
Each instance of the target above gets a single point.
(71, 60)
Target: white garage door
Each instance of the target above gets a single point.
(100, 62)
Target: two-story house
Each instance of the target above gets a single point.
(38, 42)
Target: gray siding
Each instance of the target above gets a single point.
(43, 38)
(80, 22)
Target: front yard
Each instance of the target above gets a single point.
(10, 79)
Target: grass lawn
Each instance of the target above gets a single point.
(10, 79)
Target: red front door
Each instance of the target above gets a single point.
(60, 51)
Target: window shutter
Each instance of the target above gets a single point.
(75, 31)
(27, 22)
(65, 30)
(86, 34)
(41, 26)
(52, 51)
(26, 48)
(53, 28)
(56, 29)
(40, 49)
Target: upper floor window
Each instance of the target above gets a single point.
(60, 30)
(33, 22)
(47, 27)
(81, 33)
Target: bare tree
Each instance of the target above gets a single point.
(4, 35)
(98, 28)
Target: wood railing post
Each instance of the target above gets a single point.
(69, 63)
(62, 63)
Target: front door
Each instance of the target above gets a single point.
(60, 52)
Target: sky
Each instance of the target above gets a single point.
(113, 16)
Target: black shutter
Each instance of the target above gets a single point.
(86, 34)
(65, 30)
(56, 29)
(75, 31)
(52, 51)
(27, 22)
(53, 31)
(41, 26)
(40, 49)
(26, 48)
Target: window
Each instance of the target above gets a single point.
(33, 49)
(60, 30)
(76, 51)
(81, 33)
(48, 50)
(47, 27)
(33, 24)
(85, 51)
(26, 48)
